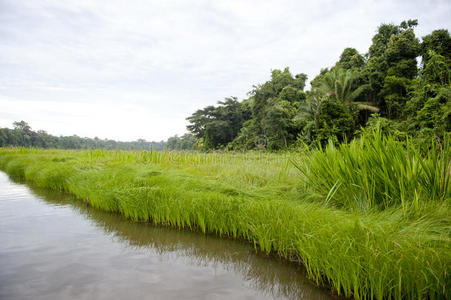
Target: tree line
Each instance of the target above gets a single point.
(385, 87)
(23, 136)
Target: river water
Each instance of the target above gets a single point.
(54, 247)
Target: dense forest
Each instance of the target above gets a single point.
(22, 135)
(401, 85)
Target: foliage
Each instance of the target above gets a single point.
(184, 142)
(439, 41)
(393, 55)
(377, 171)
(384, 126)
(395, 92)
(325, 119)
(386, 81)
(351, 59)
(428, 111)
(265, 120)
(23, 136)
(218, 126)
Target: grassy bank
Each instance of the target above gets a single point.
(379, 249)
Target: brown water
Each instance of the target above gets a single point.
(52, 247)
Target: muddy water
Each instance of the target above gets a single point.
(52, 247)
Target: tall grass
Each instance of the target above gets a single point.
(366, 254)
(377, 171)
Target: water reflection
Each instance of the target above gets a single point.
(269, 276)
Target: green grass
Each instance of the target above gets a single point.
(368, 245)
(378, 172)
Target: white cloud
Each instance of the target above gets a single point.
(134, 69)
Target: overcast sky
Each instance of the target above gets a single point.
(136, 69)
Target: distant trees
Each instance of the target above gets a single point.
(22, 136)
(185, 142)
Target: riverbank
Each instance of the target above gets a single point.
(260, 197)
(58, 248)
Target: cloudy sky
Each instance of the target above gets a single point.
(136, 69)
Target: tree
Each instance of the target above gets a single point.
(278, 123)
(428, 111)
(350, 59)
(306, 118)
(200, 119)
(218, 126)
(339, 84)
(325, 118)
(437, 69)
(22, 125)
(273, 106)
(185, 142)
(392, 53)
(23, 136)
(401, 53)
(395, 92)
(439, 41)
(335, 121)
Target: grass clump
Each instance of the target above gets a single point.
(401, 251)
(377, 171)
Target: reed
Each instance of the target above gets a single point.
(399, 252)
(377, 171)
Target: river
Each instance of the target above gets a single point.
(54, 247)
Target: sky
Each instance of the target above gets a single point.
(126, 70)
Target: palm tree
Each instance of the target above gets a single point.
(338, 84)
(307, 115)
